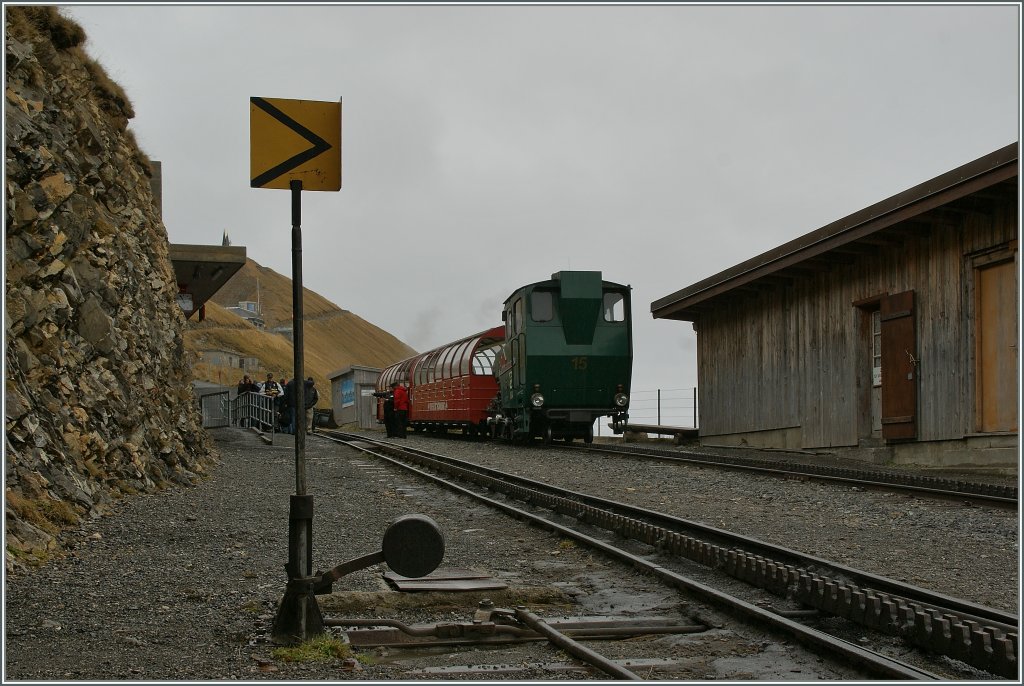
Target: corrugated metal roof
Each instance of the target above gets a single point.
(957, 183)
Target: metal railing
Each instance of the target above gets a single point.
(256, 411)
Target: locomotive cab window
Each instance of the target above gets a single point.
(542, 306)
(614, 307)
(513, 319)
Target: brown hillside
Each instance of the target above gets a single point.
(274, 293)
(334, 338)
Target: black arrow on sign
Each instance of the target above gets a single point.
(319, 144)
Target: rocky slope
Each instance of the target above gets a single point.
(98, 401)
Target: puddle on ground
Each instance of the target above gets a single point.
(601, 592)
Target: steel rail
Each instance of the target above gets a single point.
(726, 539)
(1004, 496)
(983, 637)
(871, 661)
(574, 648)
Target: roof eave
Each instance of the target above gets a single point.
(969, 178)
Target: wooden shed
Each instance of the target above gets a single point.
(889, 335)
(352, 395)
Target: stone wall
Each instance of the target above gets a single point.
(98, 397)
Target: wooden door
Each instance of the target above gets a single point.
(899, 367)
(996, 347)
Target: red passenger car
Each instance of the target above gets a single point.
(450, 386)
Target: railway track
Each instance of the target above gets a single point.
(669, 548)
(988, 493)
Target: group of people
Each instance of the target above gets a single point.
(283, 394)
(396, 410)
(396, 403)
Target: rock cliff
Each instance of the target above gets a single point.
(98, 399)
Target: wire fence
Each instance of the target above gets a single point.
(661, 406)
(664, 406)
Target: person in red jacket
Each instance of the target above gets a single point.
(401, 394)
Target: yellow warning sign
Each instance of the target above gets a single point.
(293, 140)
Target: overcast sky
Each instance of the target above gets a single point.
(486, 147)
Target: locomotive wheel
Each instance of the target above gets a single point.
(589, 437)
(548, 439)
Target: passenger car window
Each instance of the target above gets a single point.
(442, 363)
(428, 368)
(614, 307)
(435, 374)
(450, 369)
(483, 361)
(463, 358)
(541, 306)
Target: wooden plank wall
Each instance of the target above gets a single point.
(828, 382)
(748, 365)
(787, 356)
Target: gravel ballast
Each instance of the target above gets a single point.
(183, 584)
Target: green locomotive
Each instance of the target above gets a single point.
(566, 360)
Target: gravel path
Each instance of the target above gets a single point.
(182, 585)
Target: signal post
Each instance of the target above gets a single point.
(296, 145)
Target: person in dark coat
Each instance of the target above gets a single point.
(389, 411)
(281, 405)
(311, 397)
(246, 385)
(288, 406)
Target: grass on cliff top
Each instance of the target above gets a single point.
(45, 20)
